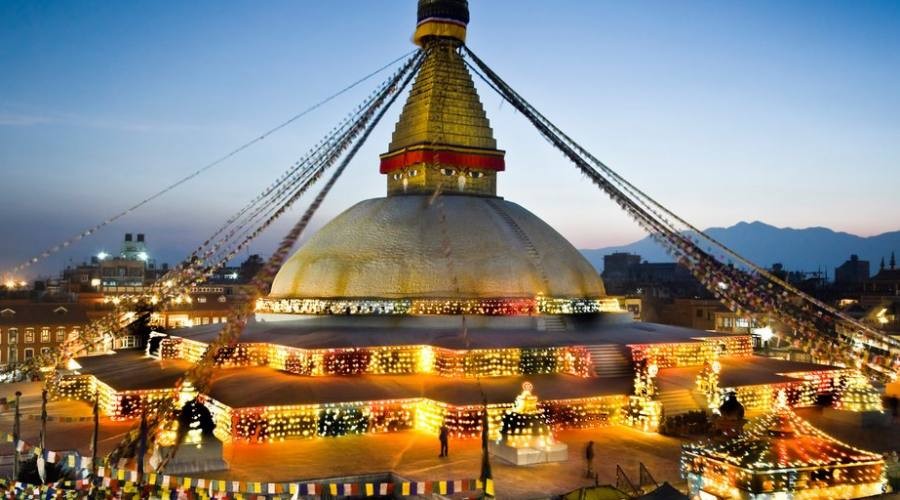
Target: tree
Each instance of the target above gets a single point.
(250, 267)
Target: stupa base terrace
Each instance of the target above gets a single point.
(306, 376)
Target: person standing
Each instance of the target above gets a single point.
(589, 456)
(444, 437)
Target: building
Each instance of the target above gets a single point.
(852, 273)
(699, 314)
(453, 296)
(885, 283)
(28, 329)
(128, 272)
(626, 274)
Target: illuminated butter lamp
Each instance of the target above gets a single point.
(200, 450)
(525, 435)
(781, 456)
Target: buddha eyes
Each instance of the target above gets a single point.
(449, 172)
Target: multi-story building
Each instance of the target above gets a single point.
(699, 314)
(28, 329)
(626, 274)
(129, 272)
(852, 273)
(207, 304)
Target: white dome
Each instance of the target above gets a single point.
(456, 247)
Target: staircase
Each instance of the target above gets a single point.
(524, 240)
(678, 401)
(611, 360)
(552, 323)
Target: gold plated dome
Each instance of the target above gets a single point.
(465, 247)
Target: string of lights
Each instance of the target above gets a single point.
(97, 227)
(199, 375)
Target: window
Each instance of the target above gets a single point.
(45, 335)
(699, 313)
(60, 334)
(29, 336)
(127, 342)
(201, 300)
(13, 355)
(45, 351)
(222, 298)
(13, 335)
(29, 353)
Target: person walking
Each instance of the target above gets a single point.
(444, 436)
(589, 456)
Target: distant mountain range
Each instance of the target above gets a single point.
(807, 249)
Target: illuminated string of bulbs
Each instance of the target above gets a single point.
(755, 294)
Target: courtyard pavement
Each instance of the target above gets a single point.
(413, 455)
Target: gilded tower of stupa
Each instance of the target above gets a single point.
(470, 251)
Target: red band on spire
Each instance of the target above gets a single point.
(444, 157)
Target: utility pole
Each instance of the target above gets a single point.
(18, 416)
(94, 438)
(42, 471)
(43, 437)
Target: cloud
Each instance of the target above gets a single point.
(24, 120)
(29, 119)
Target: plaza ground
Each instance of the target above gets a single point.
(413, 455)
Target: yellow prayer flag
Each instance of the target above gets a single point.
(405, 489)
(442, 487)
(489, 488)
(370, 489)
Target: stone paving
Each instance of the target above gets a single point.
(413, 455)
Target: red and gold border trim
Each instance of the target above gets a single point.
(485, 160)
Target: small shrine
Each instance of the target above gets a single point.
(780, 455)
(525, 434)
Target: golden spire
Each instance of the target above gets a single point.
(443, 137)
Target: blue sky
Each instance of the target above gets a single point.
(785, 112)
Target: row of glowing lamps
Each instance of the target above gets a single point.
(12, 284)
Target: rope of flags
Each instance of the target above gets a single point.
(126, 480)
(97, 227)
(63, 419)
(220, 489)
(818, 327)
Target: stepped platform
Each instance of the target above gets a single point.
(132, 370)
(261, 386)
(450, 332)
(742, 371)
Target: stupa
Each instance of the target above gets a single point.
(412, 310)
